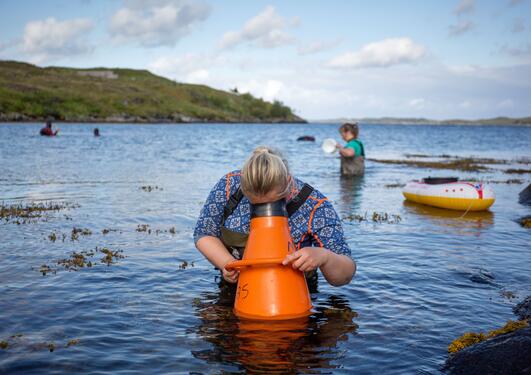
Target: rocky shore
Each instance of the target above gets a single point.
(175, 118)
(508, 353)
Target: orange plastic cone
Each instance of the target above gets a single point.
(266, 288)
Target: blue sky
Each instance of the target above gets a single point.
(435, 59)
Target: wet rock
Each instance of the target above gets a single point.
(306, 138)
(525, 221)
(523, 309)
(525, 196)
(504, 354)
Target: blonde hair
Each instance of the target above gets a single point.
(351, 127)
(265, 171)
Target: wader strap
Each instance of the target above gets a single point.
(232, 204)
(296, 202)
(292, 206)
(361, 146)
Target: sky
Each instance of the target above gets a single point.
(325, 59)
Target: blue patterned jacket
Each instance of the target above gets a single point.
(315, 223)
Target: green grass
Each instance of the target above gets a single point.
(66, 95)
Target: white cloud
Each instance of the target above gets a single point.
(50, 38)
(157, 22)
(269, 90)
(384, 53)
(417, 103)
(267, 30)
(317, 46)
(465, 6)
(460, 28)
(189, 68)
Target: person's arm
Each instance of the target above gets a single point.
(213, 249)
(207, 231)
(330, 253)
(346, 151)
(337, 269)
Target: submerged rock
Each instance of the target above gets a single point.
(505, 354)
(525, 196)
(523, 309)
(306, 138)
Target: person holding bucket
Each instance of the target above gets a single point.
(223, 225)
(353, 153)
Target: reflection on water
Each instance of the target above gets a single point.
(451, 218)
(297, 345)
(350, 190)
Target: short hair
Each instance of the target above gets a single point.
(351, 127)
(265, 171)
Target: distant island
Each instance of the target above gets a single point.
(31, 93)
(424, 121)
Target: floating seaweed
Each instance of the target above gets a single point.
(517, 171)
(395, 185)
(72, 343)
(143, 228)
(377, 217)
(52, 237)
(51, 346)
(77, 260)
(45, 269)
(525, 221)
(108, 230)
(4, 344)
(74, 236)
(463, 164)
(85, 258)
(26, 213)
(146, 228)
(149, 188)
(184, 265)
(508, 294)
(110, 255)
(471, 338)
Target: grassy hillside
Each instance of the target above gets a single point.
(28, 92)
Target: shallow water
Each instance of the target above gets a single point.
(421, 282)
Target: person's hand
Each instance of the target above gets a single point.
(230, 276)
(338, 146)
(307, 258)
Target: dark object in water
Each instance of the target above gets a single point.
(525, 196)
(523, 309)
(96, 132)
(306, 138)
(504, 354)
(439, 180)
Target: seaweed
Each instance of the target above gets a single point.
(517, 171)
(376, 217)
(72, 343)
(26, 213)
(149, 188)
(471, 338)
(74, 236)
(464, 164)
(525, 221)
(110, 255)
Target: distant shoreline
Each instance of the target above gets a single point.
(498, 121)
(331, 122)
